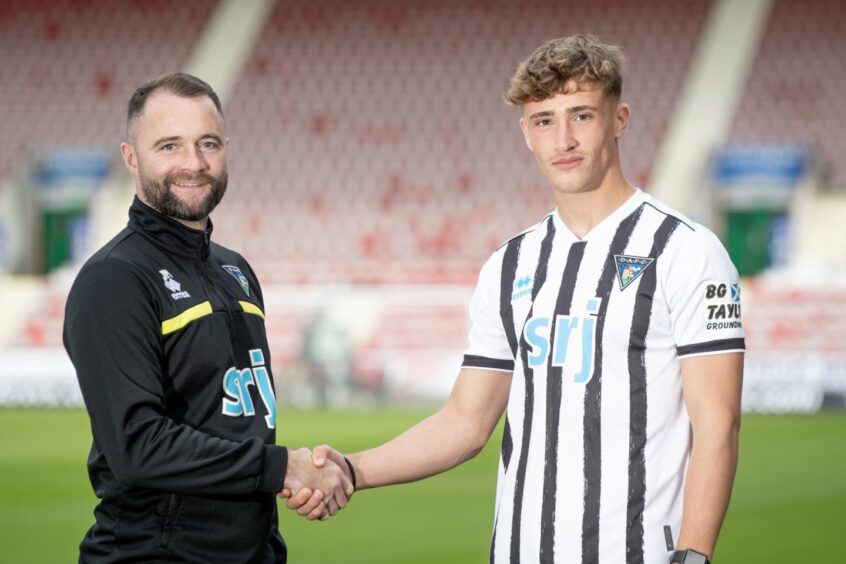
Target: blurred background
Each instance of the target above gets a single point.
(374, 166)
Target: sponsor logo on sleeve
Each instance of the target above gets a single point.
(735, 292)
(725, 313)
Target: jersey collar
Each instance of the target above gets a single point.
(608, 224)
(168, 233)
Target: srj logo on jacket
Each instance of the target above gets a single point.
(572, 344)
(236, 385)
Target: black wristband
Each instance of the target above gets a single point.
(352, 471)
(689, 556)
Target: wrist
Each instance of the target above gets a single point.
(296, 461)
(352, 473)
(274, 469)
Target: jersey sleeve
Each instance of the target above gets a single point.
(489, 348)
(113, 336)
(703, 293)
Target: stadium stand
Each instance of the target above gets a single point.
(794, 93)
(371, 147)
(371, 143)
(70, 65)
(68, 68)
(794, 317)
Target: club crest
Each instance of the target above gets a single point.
(629, 268)
(236, 273)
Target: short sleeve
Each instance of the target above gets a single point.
(489, 348)
(703, 294)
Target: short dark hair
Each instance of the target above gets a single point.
(179, 83)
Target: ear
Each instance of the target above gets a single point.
(130, 158)
(621, 120)
(526, 134)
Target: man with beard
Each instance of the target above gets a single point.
(166, 332)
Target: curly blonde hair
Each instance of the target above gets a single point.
(582, 58)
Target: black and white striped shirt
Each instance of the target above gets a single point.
(597, 437)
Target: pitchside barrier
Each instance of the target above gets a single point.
(786, 383)
(349, 345)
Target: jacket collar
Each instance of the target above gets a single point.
(167, 233)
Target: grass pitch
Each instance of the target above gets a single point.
(789, 502)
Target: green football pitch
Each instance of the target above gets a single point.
(789, 502)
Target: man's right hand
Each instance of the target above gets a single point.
(309, 503)
(318, 491)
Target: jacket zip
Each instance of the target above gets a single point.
(206, 270)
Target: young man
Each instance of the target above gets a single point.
(166, 332)
(611, 331)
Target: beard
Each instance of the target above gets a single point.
(160, 195)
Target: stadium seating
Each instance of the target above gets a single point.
(69, 67)
(369, 138)
(794, 93)
(370, 144)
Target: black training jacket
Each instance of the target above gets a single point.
(166, 332)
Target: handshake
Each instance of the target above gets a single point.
(318, 483)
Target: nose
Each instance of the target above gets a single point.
(564, 139)
(196, 160)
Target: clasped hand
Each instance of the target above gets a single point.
(318, 484)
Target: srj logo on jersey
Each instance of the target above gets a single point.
(236, 386)
(573, 343)
(629, 268)
(236, 273)
(172, 285)
(522, 287)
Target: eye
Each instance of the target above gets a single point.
(210, 145)
(582, 117)
(543, 122)
(168, 147)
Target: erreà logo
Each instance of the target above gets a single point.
(522, 287)
(629, 268)
(172, 285)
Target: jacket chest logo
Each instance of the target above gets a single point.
(237, 275)
(236, 386)
(173, 285)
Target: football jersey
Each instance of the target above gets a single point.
(597, 437)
